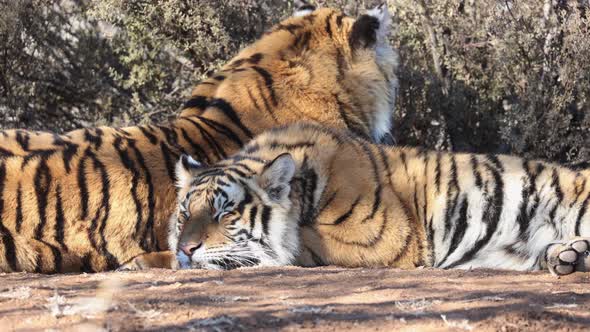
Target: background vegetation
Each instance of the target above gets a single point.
(484, 76)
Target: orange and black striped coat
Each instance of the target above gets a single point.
(308, 195)
(93, 199)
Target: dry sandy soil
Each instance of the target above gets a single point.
(320, 299)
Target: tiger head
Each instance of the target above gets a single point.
(234, 215)
(317, 57)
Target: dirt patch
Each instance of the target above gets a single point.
(326, 299)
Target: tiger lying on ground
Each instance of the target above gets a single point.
(93, 199)
(311, 196)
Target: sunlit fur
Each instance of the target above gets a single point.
(93, 199)
(353, 203)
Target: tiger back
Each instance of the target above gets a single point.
(93, 199)
(311, 196)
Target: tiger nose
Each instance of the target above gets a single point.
(190, 248)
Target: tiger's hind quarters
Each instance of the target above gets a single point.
(566, 258)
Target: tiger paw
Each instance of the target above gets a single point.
(569, 257)
(162, 260)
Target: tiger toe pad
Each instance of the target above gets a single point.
(569, 257)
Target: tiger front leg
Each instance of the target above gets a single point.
(160, 260)
(568, 257)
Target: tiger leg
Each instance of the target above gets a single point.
(568, 257)
(161, 260)
(20, 254)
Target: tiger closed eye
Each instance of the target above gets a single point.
(227, 215)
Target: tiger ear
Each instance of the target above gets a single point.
(186, 169)
(302, 8)
(276, 177)
(371, 29)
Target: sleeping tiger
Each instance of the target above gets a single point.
(93, 199)
(312, 196)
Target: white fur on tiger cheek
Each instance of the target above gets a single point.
(284, 234)
(173, 233)
(388, 60)
(283, 231)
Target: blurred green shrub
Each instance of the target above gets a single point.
(482, 76)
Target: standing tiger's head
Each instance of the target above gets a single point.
(316, 57)
(234, 215)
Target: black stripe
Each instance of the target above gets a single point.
(292, 28)
(57, 258)
(376, 177)
(355, 127)
(92, 138)
(328, 202)
(491, 217)
(268, 82)
(289, 146)
(169, 161)
(329, 25)
(255, 58)
(87, 264)
(341, 64)
(265, 218)
(308, 179)
(267, 106)
(416, 203)
(199, 102)
(476, 173)
(19, 208)
(317, 260)
(252, 99)
(559, 194)
(68, 153)
(129, 164)
(7, 239)
(339, 19)
(581, 214)
(209, 139)
(5, 153)
(199, 152)
(496, 162)
(372, 242)
(171, 138)
(523, 218)
(453, 191)
(82, 186)
(245, 201)
(404, 161)
(431, 238)
(348, 213)
(426, 181)
(59, 219)
(22, 138)
(437, 172)
(111, 260)
(42, 183)
(224, 130)
(252, 217)
(151, 137)
(460, 228)
(302, 40)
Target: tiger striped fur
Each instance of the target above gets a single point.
(312, 196)
(94, 199)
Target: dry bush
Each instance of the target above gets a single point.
(484, 76)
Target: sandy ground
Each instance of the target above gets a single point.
(320, 299)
